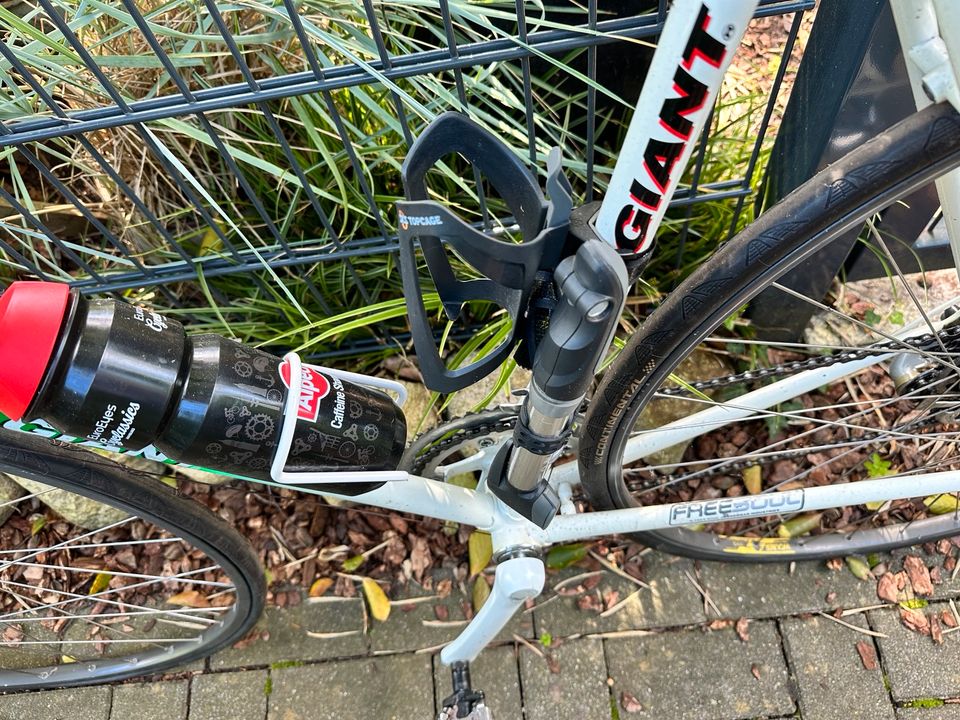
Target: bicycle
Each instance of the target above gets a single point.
(526, 492)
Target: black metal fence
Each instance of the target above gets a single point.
(165, 150)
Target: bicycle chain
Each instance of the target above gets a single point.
(925, 342)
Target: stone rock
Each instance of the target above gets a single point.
(421, 414)
(470, 398)
(9, 492)
(76, 509)
(701, 365)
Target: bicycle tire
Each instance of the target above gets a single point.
(901, 160)
(77, 470)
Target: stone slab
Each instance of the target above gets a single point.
(416, 626)
(92, 703)
(288, 639)
(395, 687)
(572, 686)
(772, 589)
(916, 667)
(671, 600)
(698, 674)
(167, 700)
(832, 680)
(944, 712)
(229, 696)
(496, 672)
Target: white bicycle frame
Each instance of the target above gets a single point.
(680, 89)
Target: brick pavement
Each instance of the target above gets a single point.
(664, 654)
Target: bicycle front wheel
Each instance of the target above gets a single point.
(707, 348)
(139, 581)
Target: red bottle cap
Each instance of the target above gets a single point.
(31, 314)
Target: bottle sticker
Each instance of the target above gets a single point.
(313, 388)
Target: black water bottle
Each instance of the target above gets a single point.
(126, 377)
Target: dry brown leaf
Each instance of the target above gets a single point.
(189, 598)
(320, 586)
(743, 629)
(868, 655)
(919, 575)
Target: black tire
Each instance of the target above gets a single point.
(77, 470)
(901, 160)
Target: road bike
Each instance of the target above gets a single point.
(761, 448)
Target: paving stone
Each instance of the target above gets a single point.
(949, 588)
(229, 696)
(415, 626)
(701, 675)
(92, 703)
(770, 590)
(944, 712)
(833, 683)
(916, 667)
(495, 672)
(671, 600)
(577, 692)
(167, 700)
(396, 687)
(288, 639)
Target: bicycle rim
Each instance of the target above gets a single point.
(147, 581)
(832, 434)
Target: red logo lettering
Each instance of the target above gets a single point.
(313, 388)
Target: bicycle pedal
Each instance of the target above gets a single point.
(480, 712)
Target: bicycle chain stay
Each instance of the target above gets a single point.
(503, 419)
(509, 269)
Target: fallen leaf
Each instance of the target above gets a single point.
(376, 599)
(101, 581)
(351, 564)
(479, 550)
(919, 575)
(794, 527)
(320, 586)
(753, 480)
(629, 703)
(419, 556)
(481, 591)
(868, 656)
(858, 566)
(189, 598)
(561, 556)
(915, 620)
(743, 629)
(941, 504)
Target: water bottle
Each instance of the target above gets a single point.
(126, 377)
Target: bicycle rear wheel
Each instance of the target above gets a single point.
(150, 582)
(857, 427)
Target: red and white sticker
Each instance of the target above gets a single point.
(313, 388)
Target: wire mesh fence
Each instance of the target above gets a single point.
(238, 163)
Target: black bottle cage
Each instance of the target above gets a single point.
(508, 268)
